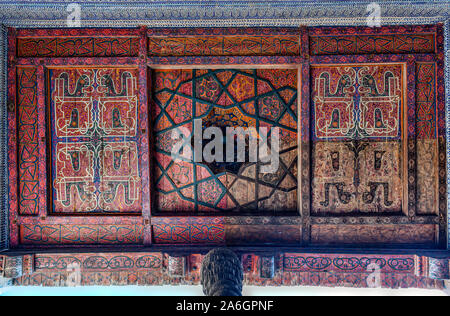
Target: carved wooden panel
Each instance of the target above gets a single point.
(224, 98)
(94, 123)
(357, 153)
(78, 134)
(28, 140)
(427, 144)
(357, 177)
(361, 113)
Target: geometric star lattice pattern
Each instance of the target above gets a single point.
(224, 98)
(94, 147)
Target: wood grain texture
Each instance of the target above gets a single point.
(427, 176)
(262, 234)
(373, 234)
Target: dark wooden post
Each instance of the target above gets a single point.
(221, 273)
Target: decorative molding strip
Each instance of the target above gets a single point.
(281, 269)
(227, 3)
(224, 46)
(3, 141)
(375, 220)
(79, 32)
(347, 263)
(447, 107)
(225, 31)
(13, 267)
(99, 261)
(221, 13)
(227, 220)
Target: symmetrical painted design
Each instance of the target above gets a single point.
(361, 102)
(357, 177)
(94, 126)
(224, 98)
(188, 234)
(439, 268)
(78, 47)
(28, 140)
(339, 263)
(357, 164)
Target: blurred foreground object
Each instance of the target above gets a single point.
(221, 273)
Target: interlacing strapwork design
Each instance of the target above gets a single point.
(28, 140)
(95, 162)
(77, 47)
